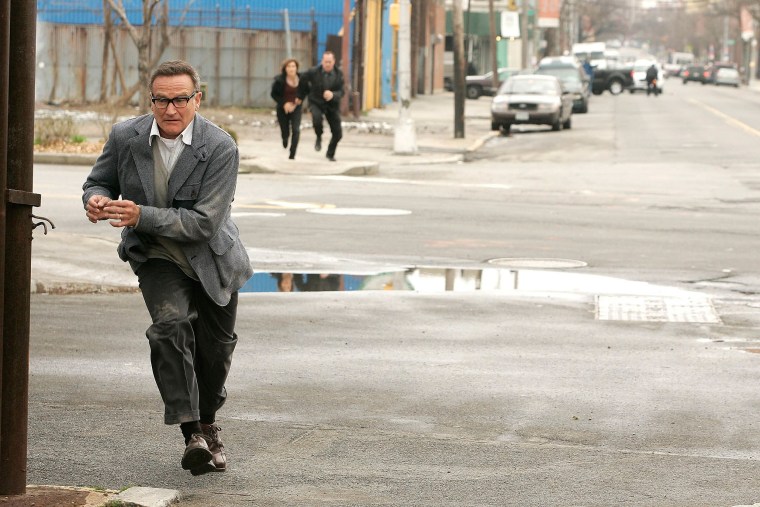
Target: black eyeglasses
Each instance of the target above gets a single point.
(179, 102)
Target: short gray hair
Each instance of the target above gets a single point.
(176, 68)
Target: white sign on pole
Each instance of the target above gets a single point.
(510, 24)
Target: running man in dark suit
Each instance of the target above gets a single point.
(325, 89)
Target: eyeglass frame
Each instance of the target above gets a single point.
(171, 101)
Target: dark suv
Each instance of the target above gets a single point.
(694, 73)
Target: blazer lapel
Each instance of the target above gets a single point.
(189, 158)
(143, 156)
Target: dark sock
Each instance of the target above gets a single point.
(189, 428)
(208, 418)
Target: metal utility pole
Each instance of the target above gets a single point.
(288, 42)
(405, 138)
(494, 45)
(18, 34)
(5, 29)
(459, 80)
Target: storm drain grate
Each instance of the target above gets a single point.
(656, 309)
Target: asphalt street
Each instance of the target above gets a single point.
(628, 381)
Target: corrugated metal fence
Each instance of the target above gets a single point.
(236, 64)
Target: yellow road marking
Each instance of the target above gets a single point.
(728, 119)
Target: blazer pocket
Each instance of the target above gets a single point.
(224, 255)
(223, 239)
(186, 196)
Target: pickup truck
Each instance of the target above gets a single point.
(612, 79)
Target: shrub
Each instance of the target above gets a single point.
(49, 131)
(231, 132)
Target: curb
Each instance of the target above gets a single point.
(267, 166)
(65, 159)
(482, 141)
(136, 496)
(272, 166)
(147, 497)
(68, 288)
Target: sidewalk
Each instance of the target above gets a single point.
(367, 144)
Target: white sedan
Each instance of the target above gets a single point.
(531, 99)
(727, 76)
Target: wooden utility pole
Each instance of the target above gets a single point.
(494, 45)
(524, 41)
(459, 71)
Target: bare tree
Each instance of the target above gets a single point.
(155, 15)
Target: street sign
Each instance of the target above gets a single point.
(510, 24)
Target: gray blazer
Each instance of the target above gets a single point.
(200, 194)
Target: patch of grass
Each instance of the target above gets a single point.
(78, 139)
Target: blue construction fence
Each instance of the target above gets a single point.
(268, 15)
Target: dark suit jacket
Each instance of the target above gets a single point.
(197, 214)
(314, 85)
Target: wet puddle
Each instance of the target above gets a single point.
(445, 279)
(616, 299)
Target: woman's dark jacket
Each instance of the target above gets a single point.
(278, 88)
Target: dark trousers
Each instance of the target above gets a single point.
(290, 125)
(333, 119)
(191, 341)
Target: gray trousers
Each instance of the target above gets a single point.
(191, 341)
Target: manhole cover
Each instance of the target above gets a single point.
(537, 263)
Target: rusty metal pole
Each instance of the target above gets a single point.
(14, 412)
(5, 27)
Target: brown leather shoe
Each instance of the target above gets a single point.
(196, 454)
(215, 445)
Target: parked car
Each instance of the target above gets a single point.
(694, 73)
(713, 68)
(483, 84)
(639, 76)
(531, 99)
(728, 76)
(573, 77)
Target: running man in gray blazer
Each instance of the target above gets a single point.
(168, 180)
